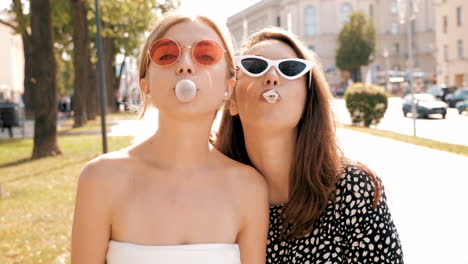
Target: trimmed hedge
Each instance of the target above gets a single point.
(366, 103)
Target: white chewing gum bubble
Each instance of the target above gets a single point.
(185, 90)
(271, 96)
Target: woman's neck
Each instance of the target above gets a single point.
(272, 153)
(180, 144)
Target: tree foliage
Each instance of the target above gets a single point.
(356, 42)
(126, 21)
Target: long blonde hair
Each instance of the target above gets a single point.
(169, 20)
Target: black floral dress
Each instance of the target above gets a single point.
(349, 230)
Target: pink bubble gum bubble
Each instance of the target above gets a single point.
(185, 90)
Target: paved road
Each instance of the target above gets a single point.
(453, 129)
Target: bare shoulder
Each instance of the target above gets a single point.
(96, 197)
(245, 179)
(105, 171)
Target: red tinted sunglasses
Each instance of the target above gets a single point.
(165, 52)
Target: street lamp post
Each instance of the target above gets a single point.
(407, 10)
(387, 70)
(101, 77)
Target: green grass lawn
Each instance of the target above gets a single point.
(36, 206)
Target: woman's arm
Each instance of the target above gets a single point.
(91, 224)
(252, 237)
(371, 234)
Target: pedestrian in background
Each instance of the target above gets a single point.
(8, 117)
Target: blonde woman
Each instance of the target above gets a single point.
(174, 198)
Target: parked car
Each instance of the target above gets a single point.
(462, 106)
(441, 91)
(459, 95)
(426, 104)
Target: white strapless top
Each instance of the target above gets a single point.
(128, 253)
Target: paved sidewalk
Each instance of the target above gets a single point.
(427, 195)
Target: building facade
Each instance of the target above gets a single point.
(318, 23)
(11, 65)
(452, 42)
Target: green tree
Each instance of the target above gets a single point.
(356, 44)
(124, 24)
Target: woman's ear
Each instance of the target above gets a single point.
(144, 86)
(230, 84)
(232, 106)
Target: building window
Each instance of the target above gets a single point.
(445, 24)
(395, 28)
(310, 21)
(371, 10)
(312, 47)
(278, 21)
(394, 7)
(346, 8)
(446, 53)
(459, 16)
(460, 49)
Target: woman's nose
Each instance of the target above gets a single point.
(185, 65)
(271, 78)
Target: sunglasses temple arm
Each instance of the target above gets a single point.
(310, 79)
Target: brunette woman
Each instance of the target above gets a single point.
(324, 208)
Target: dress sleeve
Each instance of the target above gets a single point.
(370, 234)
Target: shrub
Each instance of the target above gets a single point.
(366, 103)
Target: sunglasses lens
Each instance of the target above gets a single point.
(254, 65)
(291, 68)
(207, 52)
(164, 52)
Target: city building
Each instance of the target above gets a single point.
(318, 23)
(11, 64)
(452, 42)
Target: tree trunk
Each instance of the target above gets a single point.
(93, 95)
(356, 74)
(28, 92)
(44, 80)
(81, 61)
(22, 28)
(109, 73)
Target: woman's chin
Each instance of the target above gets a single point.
(188, 112)
(271, 123)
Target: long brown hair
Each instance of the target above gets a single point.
(318, 161)
(169, 20)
